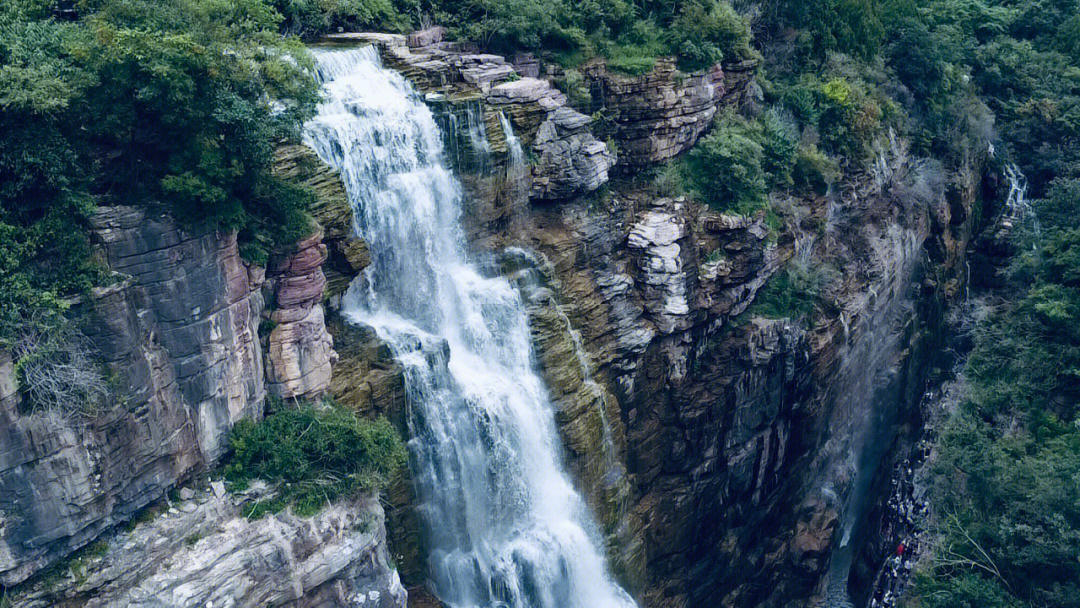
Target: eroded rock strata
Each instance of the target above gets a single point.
(714, 444)
(179, 329)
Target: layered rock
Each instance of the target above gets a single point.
(200, 551)
(571, 161)
(659, 115)
(179, 332)
(301, 351)
(739, 429)
(347, 254)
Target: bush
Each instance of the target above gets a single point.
(724, 169)
(707, 31)
(629, 33)
(777, 135)
(812, 171)
(794, 292)
(313, 454)
(313, 18)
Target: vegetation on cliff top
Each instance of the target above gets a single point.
(313, 454)
(131, 101)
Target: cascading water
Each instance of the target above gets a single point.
(506, 527)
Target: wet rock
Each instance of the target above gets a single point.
(571, 161)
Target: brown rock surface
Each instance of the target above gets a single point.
(179, 333)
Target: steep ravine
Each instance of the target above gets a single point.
(722, 455)
(751, 444)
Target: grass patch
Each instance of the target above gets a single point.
(312, 454)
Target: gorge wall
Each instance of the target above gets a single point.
(722, 451)
(725, 453)
(194, 340)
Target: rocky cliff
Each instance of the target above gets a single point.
(199, 551)
(194, 339)
(724, 448)
(178, 330)
(725, 451)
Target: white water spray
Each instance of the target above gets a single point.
(506, 527)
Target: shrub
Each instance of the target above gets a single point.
(313, 18)
(778, 138)
(794, 292)
(576, 89)
(634, 53)
(724, 169)
(707, 31)
(812, 171)
(313, 454)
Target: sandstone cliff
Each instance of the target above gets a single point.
(192, 346)
(715, 445)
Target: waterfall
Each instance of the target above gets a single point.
(505, 526)
(516, 165)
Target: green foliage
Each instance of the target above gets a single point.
(818, 28)
(705, 32)
(724, 170)
(812, 172)
(310, 19)
(739, 161)
(1006, 482)
(176, 101)
(1006, 479)
(313, 454)
(629, 33)
(794, 292)
(970, 63)
(573, 84)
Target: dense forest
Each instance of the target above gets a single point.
(181, 103)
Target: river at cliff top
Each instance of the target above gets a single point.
(506, 528)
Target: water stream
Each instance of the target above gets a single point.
(506, 528)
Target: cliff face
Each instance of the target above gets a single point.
(749, 441)
(179, 331)
(659, 115)
(723, 452)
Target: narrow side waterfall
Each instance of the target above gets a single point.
(506, 527)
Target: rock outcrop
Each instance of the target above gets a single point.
(570, 160)
(178, 330)
(739, 428)
(659, 115)
(347, 254)
(200, 551)
(301, 351)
